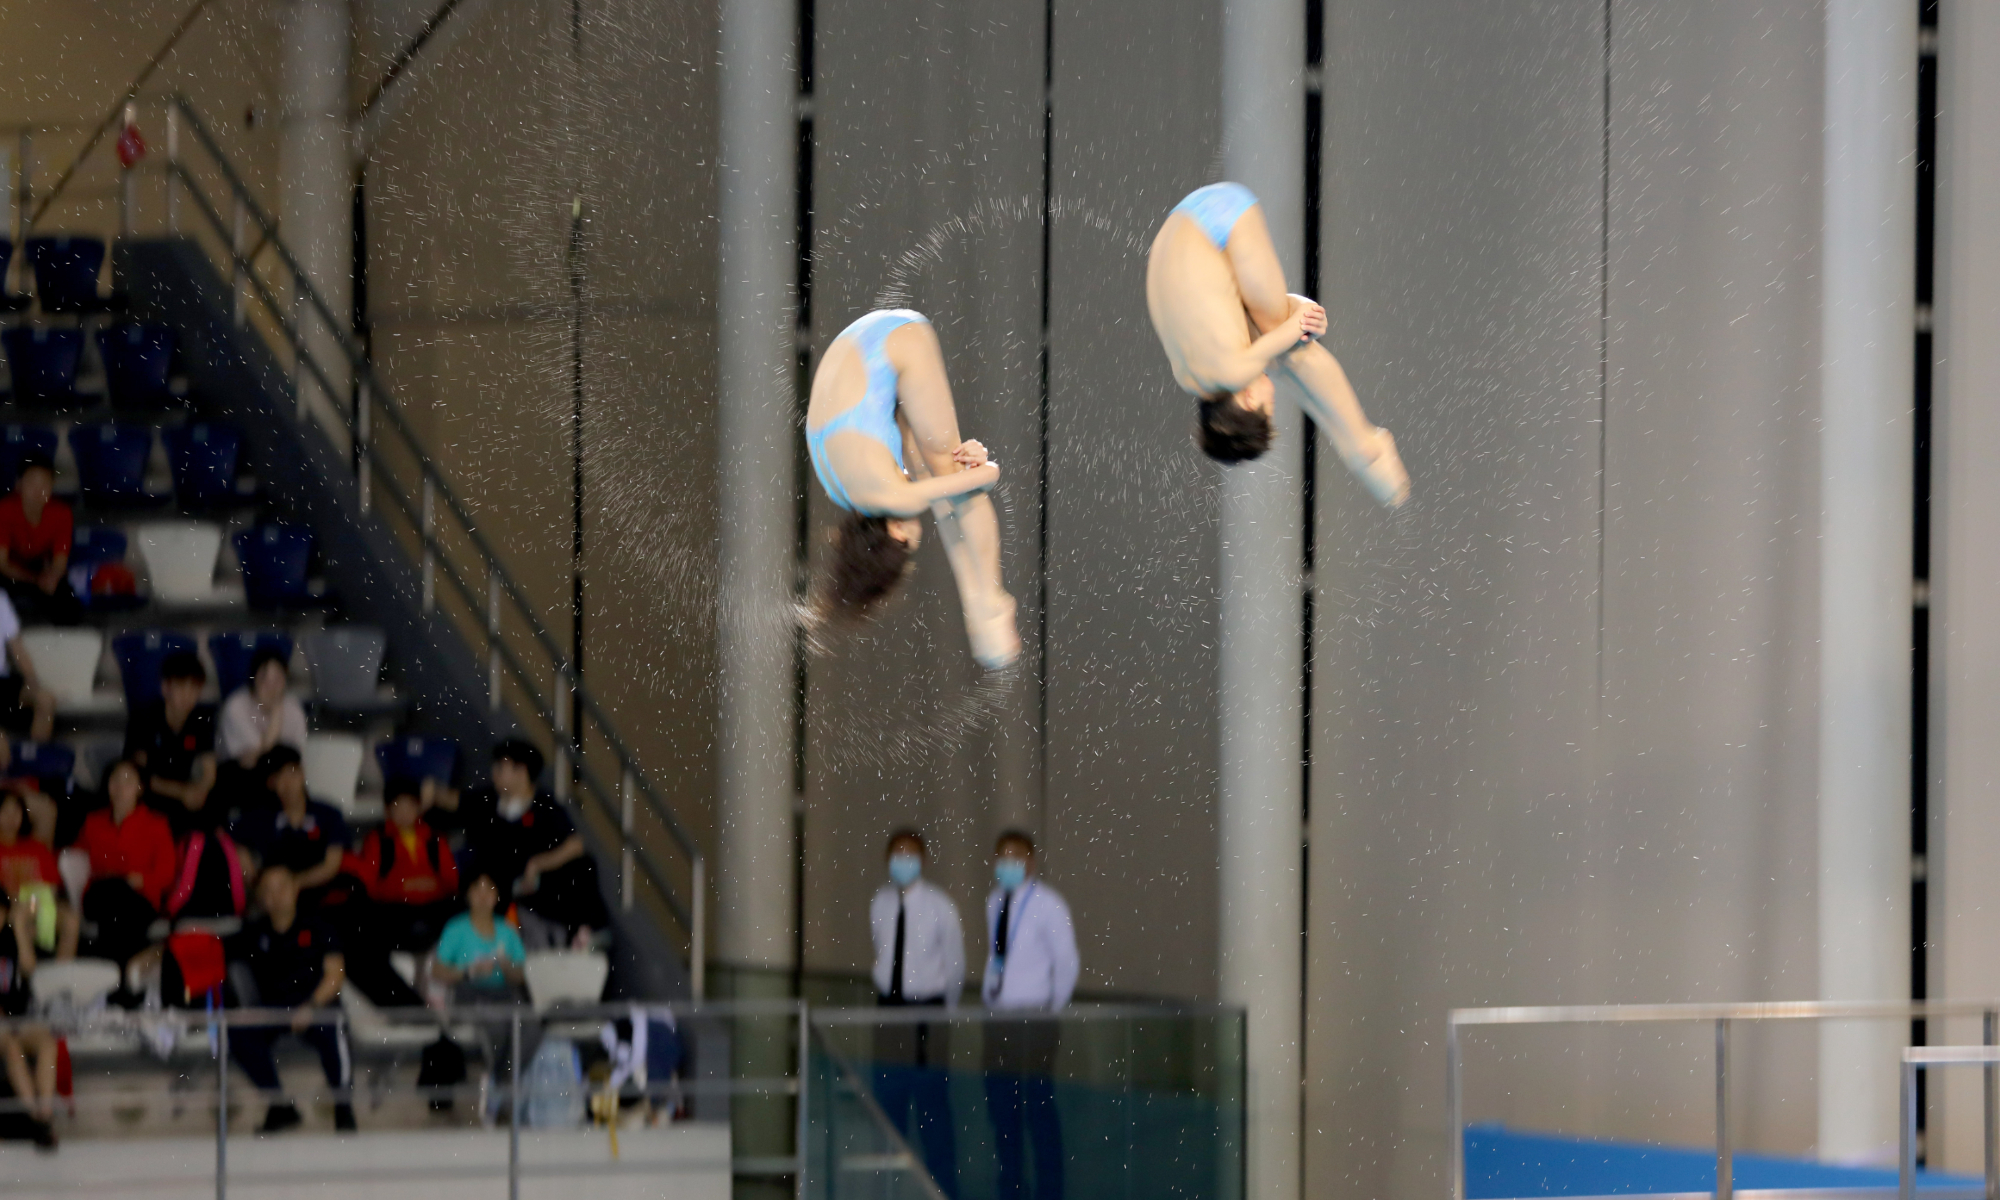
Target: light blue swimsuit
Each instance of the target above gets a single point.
(875, 413)
(1217, 208)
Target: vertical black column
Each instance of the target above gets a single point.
(1920, 566)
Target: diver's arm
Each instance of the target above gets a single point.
(910, 498)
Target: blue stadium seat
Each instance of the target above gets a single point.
(43, 363)
(8, 301)
(231, 654)
(274, 560)
(43, 760)
(137, 362)
(17, 441)
(139, 656)
(418, 758)
(111, 459)
(203, 458)
(66, 272)
(94, 544)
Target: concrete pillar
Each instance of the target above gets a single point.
(316, 191)
(1262, 658)
(1965, 573)
(1866, 448)
(756, 314)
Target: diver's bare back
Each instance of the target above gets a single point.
(1195, 304)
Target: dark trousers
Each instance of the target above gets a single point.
(375, 930)
(250, 1046)
(911, 1062)
(1021, 1100)
(122, 916)
(37, 607)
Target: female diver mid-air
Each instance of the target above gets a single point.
(883, 435)
(1212, 265)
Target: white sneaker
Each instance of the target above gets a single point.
(1383, 474)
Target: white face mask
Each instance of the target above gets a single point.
(513, 808)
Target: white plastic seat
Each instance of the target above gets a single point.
(65, 660)
(346, 662)
(84, 980)
(333, 768)
(558, 975)
(180, 557)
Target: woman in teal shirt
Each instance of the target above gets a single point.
(477, 952)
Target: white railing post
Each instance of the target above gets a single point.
(493, 636)
(128, 179)
(430, 554)
(626, 861)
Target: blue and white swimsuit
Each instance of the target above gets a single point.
(875, 413)
(1217, 208)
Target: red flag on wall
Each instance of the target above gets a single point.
(131, 147)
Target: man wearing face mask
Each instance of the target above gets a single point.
(919, 963)
(1031, 968)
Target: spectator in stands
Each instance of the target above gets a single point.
(306, 837)
(526, 841)
(255, 719)
(481, 955)
(295, 962)
(131, 866)
(25, 706)
(173, 741)
(35, 533)
(29, 1051)
(30, 882)
(412, 884)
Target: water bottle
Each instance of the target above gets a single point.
(554, 1086)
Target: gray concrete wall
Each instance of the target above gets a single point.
(1563, 745)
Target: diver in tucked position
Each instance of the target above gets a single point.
(884, 440)
(1212, 264)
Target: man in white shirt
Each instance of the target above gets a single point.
(1031, 968)
(919, 962)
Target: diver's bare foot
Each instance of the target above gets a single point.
(995, 641)
(1383, 473)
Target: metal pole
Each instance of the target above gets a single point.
(1906, 1136)
(1454, 1107)
(1990, 1106)
(514, 1113)
(560, 707)
(698, 928)
(364, 466)
(493, 636)
(222, 1110)
(1725, 1152)
(128, 181)
(25, 193)
(799, 1136)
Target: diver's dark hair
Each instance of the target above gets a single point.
(864, 569)
(1227, 432)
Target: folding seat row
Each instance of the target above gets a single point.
(138, 359)
(66, 268)
(111, 458)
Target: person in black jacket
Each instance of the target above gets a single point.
(296, 963)
(526, 840)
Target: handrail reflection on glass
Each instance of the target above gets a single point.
(1722, 1016)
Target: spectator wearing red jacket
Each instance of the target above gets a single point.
(36, 531)
(131, 866)
(412, 883)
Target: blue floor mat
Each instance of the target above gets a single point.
(1503, 1164)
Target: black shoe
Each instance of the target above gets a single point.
(43, 1133)
(280, 1117)
(343, 1118)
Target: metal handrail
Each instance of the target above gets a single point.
(358, 360)
(546, 708)
(1722, 1016)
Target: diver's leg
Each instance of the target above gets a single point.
(968, 526)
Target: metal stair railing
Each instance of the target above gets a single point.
(571, 715)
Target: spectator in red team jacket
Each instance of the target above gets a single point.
(35, 533)
(412, 884)
(131, 865)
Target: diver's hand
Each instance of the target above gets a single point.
(1311, 316)
(969, 455)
